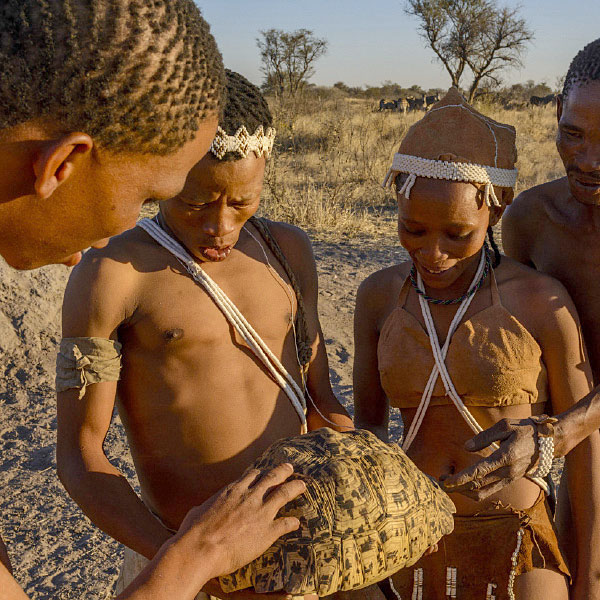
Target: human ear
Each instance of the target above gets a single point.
(496, 213)
(559, 106)
(56, 162)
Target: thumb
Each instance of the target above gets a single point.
(496, 433)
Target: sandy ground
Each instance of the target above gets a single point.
(56, 551)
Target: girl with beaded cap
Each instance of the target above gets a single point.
(459, 337)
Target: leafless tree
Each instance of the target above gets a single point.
(288, 58)
(477, 35)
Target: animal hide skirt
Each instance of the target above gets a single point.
(482, 557)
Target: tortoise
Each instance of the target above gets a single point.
(367, 513)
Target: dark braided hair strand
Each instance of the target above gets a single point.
(303, 344)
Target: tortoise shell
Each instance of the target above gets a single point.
(367, 512)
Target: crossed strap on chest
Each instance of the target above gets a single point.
(233, 316)
(440, 370)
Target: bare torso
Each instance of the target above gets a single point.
(197, 405)
(561, 237)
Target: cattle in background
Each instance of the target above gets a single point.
(415, 103)
(542, 100)
(385, 105)
(431, 100)
(402, 105)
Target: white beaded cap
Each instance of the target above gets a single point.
(261, 142)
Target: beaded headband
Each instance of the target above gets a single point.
(243, 143)
(417, 166)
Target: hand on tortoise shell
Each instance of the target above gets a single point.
(517, 454)
(240, 522)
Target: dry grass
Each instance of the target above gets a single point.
(332, 155)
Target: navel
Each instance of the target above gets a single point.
(172, 335)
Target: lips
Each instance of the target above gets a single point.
(434, 270)
(216, 254)
(584, 182)
(588, 183)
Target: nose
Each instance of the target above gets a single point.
(589, 159)
(218, 222)
(432, 253)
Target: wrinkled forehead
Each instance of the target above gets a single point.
(582, 106)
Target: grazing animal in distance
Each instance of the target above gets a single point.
(402, 105)
(385, 105)
(542, 100)
(431, 100)
(415, 103)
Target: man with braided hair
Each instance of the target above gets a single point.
(202, 323)
(555, 227)
(96, 97)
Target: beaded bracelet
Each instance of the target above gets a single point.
(545, 437)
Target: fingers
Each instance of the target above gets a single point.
(471, 477)
(249, 479)
(498, 432)
(284, 493)
(272, 478)
(284, 525)
(488, 490)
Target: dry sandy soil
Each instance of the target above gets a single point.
(56, 551)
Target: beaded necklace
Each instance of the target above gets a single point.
(467, 294)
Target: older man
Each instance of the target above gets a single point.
(555, 227)
(96, 97)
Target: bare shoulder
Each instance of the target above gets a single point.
(380, 289)
(525, 291)
(529, 208)
(291, 239)
(297, 249)
(102, 287)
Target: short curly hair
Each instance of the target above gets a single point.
(136, 75)
(244, 105)
(584, 68)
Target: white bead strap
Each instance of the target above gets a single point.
(391, 582)
(440, 369)
(514, 559)
(233, 315)
(242, 143)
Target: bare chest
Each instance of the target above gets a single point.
(176, 314)
(575, 261)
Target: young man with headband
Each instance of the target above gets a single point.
(96, 97)
(202, 324)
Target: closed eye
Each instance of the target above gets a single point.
(410, 231)
(459, 237)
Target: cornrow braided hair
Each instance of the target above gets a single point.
(244, 105)
(584, 68)
(303, 345)
(495, 249)
(136, 75)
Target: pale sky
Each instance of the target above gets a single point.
(371, 41)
